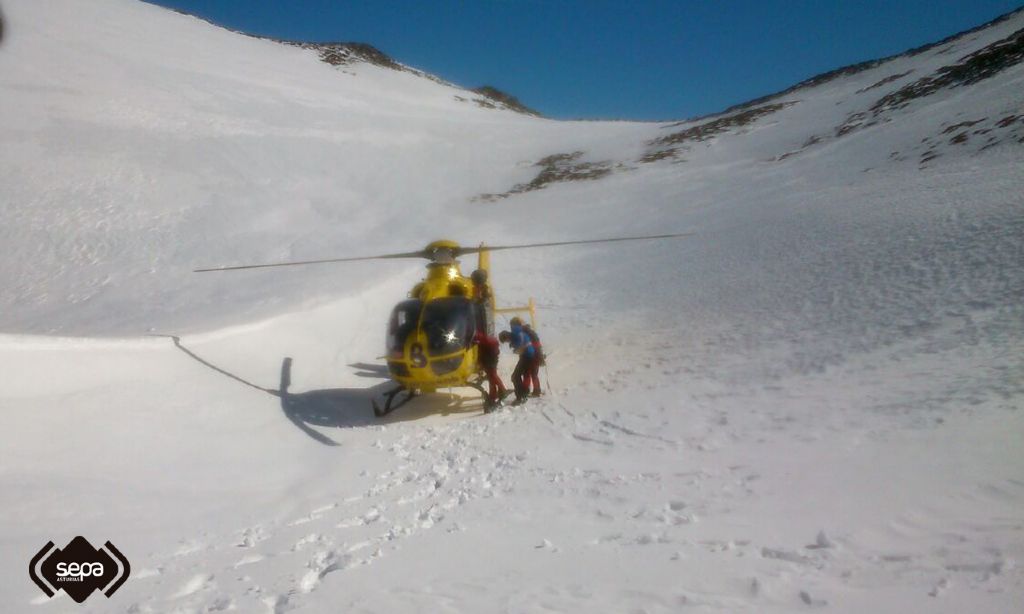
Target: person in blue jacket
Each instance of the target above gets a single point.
(522, 345)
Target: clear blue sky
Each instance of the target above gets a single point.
(630, 59)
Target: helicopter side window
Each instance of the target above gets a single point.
(402, 323)
(449, 324)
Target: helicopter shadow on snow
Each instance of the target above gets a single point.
(343, 407)
(350, 407)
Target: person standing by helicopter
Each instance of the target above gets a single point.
(488, 350)
(538, 359)
(483, 298)
(521, 344)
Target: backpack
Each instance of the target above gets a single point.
(535, 341)
(532, 334)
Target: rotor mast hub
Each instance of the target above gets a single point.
(442, 252)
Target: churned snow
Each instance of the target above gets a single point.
(814, 402)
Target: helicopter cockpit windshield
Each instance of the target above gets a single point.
(449, 324)
(403, 321)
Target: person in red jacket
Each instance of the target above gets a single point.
(487, 356)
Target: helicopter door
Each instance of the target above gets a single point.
(403, 322)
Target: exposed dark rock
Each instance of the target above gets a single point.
(884, 81)
(346, 53)
(959, 35)
(705, 131)
(853, 69)
(504, 99)
(564, 167)
(810, 142)
(558, 168)
(977, 135)
(1008, 120)
(666, 146)
(972, 68)
(333, 53)
(806, 83)
(982, 64)
(965, 124)
(854, 121)
(341, 54)
(814, 140)
(660, 154)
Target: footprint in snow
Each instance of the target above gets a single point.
(278, 604)
(822, 541)
(249, 560)
(546, 544)
(325, 562)
(349, 523)
(250, 537)
(220, 604)
(939, 588)
(814, 603)
(312, 538)
(147, 572)
(754, 587)
(194, 585)
(188, 547)
(786, 555)
(324, 509)
(648, 539)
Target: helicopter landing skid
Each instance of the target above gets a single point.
(479, 387)
(389, 398)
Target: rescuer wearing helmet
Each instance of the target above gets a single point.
(482, 300)
(520, 343)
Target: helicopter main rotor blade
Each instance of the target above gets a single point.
(494, 248)
(418, 254)
(432, 255)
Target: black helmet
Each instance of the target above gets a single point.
(479, 277)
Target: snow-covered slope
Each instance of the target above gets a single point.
(814, 401)
(166, 143)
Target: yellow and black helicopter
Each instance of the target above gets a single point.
(430, 334)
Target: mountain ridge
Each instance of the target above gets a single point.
(343, 53)
(229, 149)
(339, 53)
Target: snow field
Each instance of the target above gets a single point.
(812, 403)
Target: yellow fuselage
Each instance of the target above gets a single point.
(432, 356)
